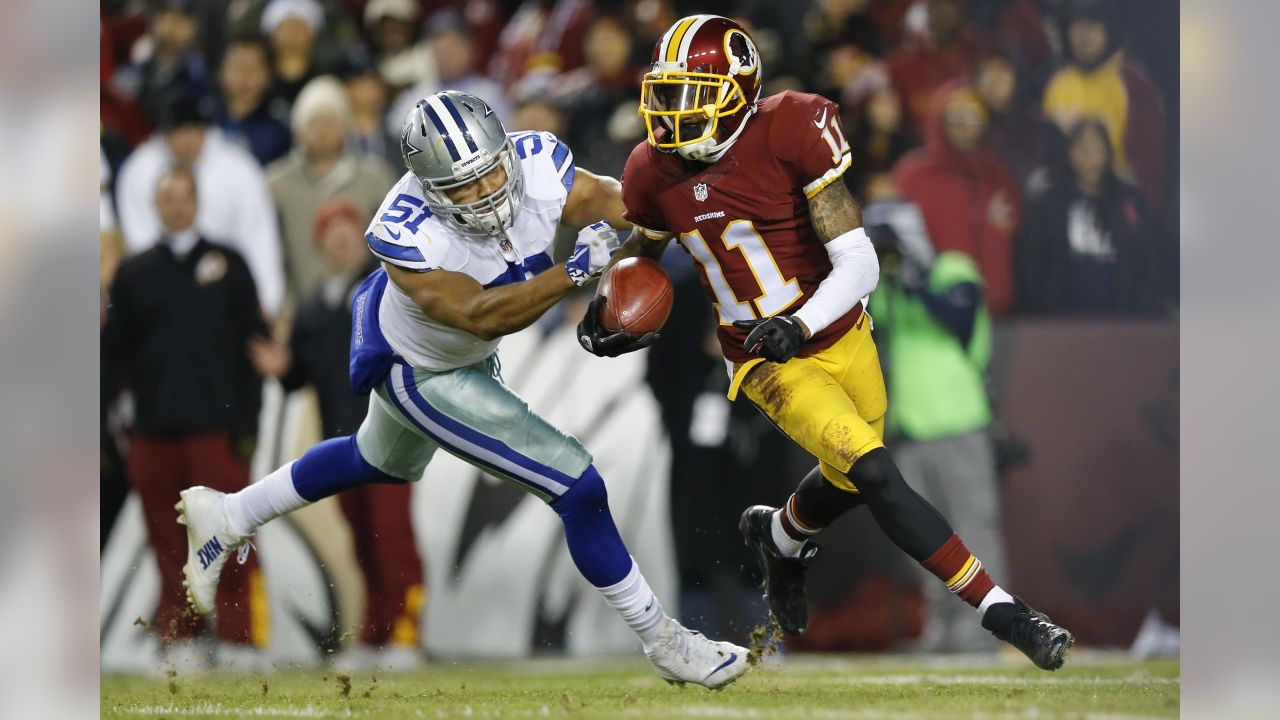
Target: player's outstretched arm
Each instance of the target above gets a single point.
(458, 301)
(596, 197)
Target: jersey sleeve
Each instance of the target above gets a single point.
(808, 139)
(548, 162)
(636, 177)
(402, 251)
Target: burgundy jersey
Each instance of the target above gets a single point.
(745, 218)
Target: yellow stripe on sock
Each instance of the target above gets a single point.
(977, 565)
(960, 575)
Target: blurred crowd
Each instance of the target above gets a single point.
(1022, 149)
(1032, 135)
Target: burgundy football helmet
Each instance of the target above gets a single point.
(702, 88)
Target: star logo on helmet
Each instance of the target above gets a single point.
(409, 148)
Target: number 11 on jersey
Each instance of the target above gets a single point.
(777, 293)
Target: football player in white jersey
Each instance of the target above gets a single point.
(465, 240)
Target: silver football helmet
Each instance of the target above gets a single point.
(451, 139)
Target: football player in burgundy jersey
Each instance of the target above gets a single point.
(753, 190)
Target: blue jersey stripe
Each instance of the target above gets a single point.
(519, 273)
(560, 154)
(435, 120)
(474, 445)
(567, 178)
(457, 118)
(392, 251)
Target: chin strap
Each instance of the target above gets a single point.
(712, 152)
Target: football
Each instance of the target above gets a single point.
(639, 297)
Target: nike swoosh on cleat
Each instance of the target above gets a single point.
(725, 664)
(823, 121)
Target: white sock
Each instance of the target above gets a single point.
(267, 499)
(787, 545)
(994, 596)
(636, 604)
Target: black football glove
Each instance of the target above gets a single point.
(595, 339)
(776, 339)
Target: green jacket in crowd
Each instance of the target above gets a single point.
(937, 341)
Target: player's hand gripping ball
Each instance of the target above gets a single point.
(632, 304)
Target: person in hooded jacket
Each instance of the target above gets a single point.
(968, 197)
(1087, 246)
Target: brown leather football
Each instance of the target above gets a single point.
(639, 297)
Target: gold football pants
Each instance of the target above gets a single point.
(831, 403)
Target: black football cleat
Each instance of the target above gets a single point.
(783, 576)
(1031, 631)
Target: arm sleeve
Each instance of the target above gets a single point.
(855, 272)
(808, 140)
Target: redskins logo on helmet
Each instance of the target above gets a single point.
(703, 86)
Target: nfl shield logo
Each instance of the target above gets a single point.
(700, 192)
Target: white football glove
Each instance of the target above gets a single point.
(596, 244)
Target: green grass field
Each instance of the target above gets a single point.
(824, 687)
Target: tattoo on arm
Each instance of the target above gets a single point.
(834, 212)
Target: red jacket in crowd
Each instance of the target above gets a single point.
(969, 200)
(919, 67)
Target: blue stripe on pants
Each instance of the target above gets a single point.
(468, 443)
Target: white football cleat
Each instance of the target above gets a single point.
(209, 543)
(682, 655)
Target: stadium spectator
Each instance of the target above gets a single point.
(292, 26)
(936, 334)
(122, 120)
(173, 67)
(543, 36)
(877, 128)
(604, 88)
(317, 355)
(235, 205)
(537, 113)
(1087, 245)
(967, 196)
(179, 320)
(369, 96)
(402, 59)
(944, 51)
(247, 114)
(1017, 130)
(320, 167)
(1100, 83)
(455, 57)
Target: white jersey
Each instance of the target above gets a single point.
(405, 234)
